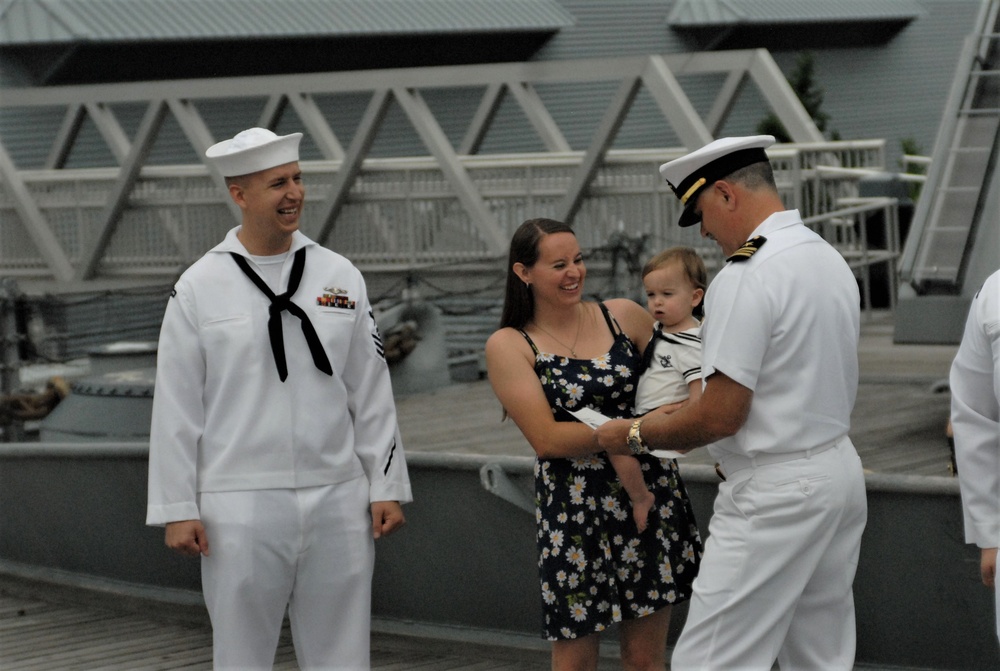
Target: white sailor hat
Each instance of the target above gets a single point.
(253, 150)
(689, 174)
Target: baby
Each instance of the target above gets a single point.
(675, 282)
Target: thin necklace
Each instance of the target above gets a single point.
(571, 348)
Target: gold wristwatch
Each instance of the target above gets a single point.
(635, 438)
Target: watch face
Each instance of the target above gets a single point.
(634, 438)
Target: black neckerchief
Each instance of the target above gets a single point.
(647, 356)
(278, 305)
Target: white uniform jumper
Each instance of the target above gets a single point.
(776, 577)
(674, 362)
(975, 418)
(280, 473)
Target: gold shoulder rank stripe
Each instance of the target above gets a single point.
(748, 249)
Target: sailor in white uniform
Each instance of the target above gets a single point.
(780, 372)
(274, 448)
(975, 421)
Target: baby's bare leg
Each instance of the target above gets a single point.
(630, 474)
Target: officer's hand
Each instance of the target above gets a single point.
(387, 516)
(988, 566)
(668, 408)
(612, 436)
(187, 537)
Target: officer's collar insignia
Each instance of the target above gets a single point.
(748, 249)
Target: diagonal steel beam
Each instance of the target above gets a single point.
(190, 121)
(780, 95)
(68, 131)
(127, 176)
(109, 128)
(430, 132)
(489, 105)
(351, 164)
(273, 109)
(200, 137)
(36, 226)
(674, 103)
(312, 117)
(724, 100)
(603, 137)
(538, 116)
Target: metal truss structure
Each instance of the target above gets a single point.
(63, 253)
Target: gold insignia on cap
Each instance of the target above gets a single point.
(694, 187)
(748, 249)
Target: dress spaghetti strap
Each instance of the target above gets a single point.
(534, 348)
(612, 322)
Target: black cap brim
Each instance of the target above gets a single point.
(688, 217)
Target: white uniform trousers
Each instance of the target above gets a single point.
(776, 578)
(309, 549)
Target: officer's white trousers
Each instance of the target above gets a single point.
(308, 549)
(776, 579)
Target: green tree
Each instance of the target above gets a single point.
(911, 147)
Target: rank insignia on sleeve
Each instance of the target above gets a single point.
(748, 249)
(376, 336)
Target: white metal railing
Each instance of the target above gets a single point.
(402, 213)
(849, 229)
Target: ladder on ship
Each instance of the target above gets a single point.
(949, 212)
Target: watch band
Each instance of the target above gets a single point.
(635, 438)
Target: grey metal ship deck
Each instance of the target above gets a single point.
(899, 425)
(51, 635)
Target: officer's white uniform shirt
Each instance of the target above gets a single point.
(765, 329)
(975, 416)
(222, 418)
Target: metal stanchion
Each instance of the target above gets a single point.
(10, 363)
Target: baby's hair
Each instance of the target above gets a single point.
(694, 269)
(693, 266)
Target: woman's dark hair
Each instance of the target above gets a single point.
(518, 301)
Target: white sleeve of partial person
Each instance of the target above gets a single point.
(178, 418)
(975, 419)
(377, 440)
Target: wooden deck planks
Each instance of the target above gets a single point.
(898, 427)
(36, 635)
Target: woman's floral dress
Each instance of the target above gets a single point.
(594, 566)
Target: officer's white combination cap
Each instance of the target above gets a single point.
(689, 174)
(253, 150)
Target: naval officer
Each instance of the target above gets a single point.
(975, 421)
(274, 449)
(780, 375)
